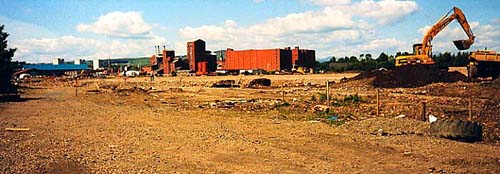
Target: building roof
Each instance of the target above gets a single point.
(61, 67)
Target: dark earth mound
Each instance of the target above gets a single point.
(260, 82)
(410, 76)
(225, 84)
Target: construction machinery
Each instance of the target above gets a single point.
(484, 63)
(422, 52)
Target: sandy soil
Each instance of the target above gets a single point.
(177, 126)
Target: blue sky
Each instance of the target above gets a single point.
(42, 30)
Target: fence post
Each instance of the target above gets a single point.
(283, 93)
(327, 93)
(470, 109)
(76, 86)
(424, 111)
(378, 103)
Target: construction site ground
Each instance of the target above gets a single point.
(182, 125)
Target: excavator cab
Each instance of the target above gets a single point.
(418, 57)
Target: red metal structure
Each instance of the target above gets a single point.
(168, 58)
(303, 57)
(196, 53)
(163, 62)
(269, 59)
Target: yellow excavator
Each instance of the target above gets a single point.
(422, 52)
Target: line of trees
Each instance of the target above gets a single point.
(366, 62)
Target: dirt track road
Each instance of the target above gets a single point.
(107, 133)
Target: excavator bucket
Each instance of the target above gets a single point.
(462, 44)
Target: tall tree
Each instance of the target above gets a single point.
(333, 59)
(6, 68)
(368, 56)
(382, 57)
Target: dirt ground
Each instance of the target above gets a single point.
(181, 125)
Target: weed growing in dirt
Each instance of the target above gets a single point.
(353, 98)
(347, 100)
(313, 98)
(322, 97)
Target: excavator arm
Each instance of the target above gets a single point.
(441, 24)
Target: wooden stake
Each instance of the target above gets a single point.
(282, 93)
(470, 109)
(424, 111)
(17, 129)
(76, 87)
(378, 103)
(327, 93)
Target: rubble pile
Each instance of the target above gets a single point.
(410, 76)
(225, 84)
(248, 105)
(260, 82)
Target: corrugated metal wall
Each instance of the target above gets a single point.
(269, 60)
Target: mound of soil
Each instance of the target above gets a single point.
(225, 84)
(260, 82)
(410, 76)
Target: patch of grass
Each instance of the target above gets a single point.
(284, 104)
(313, 98)
(322, 97)
(347, 100)
(353, 98)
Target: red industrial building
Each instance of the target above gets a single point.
(269, 60)
(303, 58)
(164, 62)
(201, 61)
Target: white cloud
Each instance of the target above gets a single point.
(119, 24)
(341, 24)
(18, 30)
(381, 44)
(384, 12)
(129, 35)
(258, 1)
(71, 47)
(44, 49)
(495, 21)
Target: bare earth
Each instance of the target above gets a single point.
(177, 125)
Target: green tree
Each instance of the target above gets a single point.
(6, 67)
(353, 59)
(333, 59)
(368, 56)
(382, 57)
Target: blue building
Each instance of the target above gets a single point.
(55, 70)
